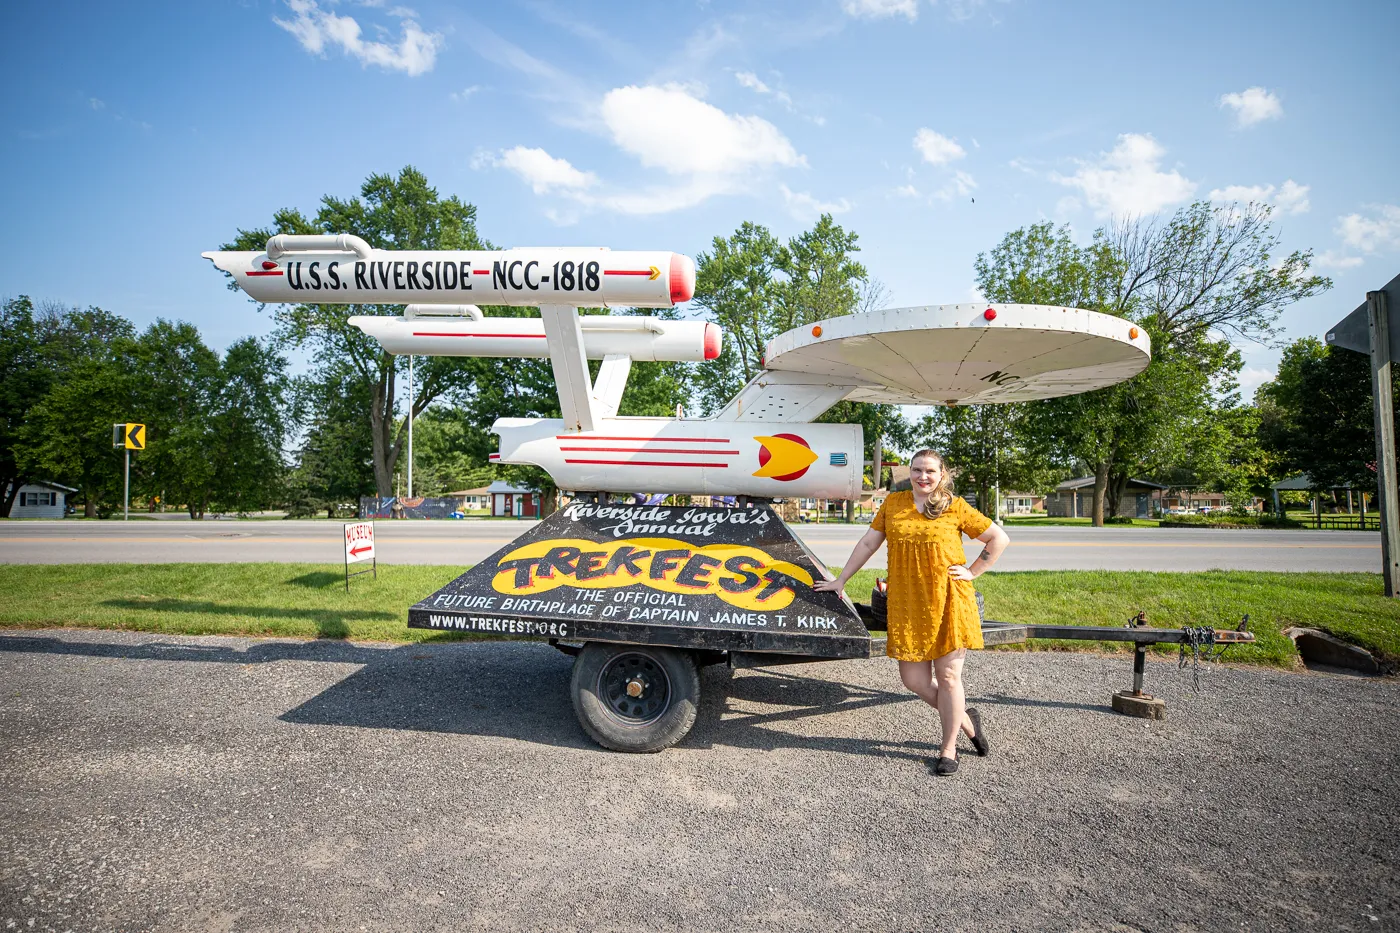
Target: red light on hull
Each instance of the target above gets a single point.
(713, 337)
(990, 314)
(682, 278)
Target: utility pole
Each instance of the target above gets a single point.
(1382, 389)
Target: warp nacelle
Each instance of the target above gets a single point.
(705, 457)
(638, 338)
(343, 269)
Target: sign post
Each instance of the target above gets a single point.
(129, 437)
(1368, 330)
(359, 546)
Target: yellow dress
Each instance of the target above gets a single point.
(929, 613)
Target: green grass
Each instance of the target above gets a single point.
(295, 600)
(1351, 606)
(309, 601)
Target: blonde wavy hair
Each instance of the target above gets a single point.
(942, 495)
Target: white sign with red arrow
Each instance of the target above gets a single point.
(359, 541)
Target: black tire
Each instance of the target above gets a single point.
(660, 715)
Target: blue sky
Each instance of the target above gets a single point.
(137, 136)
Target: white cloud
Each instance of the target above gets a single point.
(806, 208)
(1289, 198)
(668, 128)
(1253, 105)
(936, 148)
(962, 185)
(1251, 377)
(316, 29)
(465, 92)
(1129, 179)
(1334, 260)
(907, 191)
(544, 172)
(1067, 205)
(882, 9)
(1370, 234)
(962, 10)
(96, 104)
(750, 80)
(1293, 198)
(754, 83)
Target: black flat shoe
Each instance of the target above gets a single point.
(979, 737)
(945, 766)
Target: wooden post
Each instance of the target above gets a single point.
(1382, 388)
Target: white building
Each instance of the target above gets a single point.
(41, 500)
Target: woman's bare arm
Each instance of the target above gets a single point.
(995, 541)
(868, 544)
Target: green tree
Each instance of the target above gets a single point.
(739, 284)
(1204, 272)
(247, 427)
(986, 446)
(756, 287)
(335, 462)
(174, 398)
(24, 379)
(1317, 416)
(39, 345)
(404, 213)
(68, 433)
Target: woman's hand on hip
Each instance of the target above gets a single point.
(959, 572)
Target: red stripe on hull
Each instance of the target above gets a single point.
(645, 440)
(650, 450)
(419, 333)
(661, 463)
(250, 274)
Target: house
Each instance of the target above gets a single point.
(1021, 503)
(468, 499)
(513, 501)
(1074, 498)
(41, 500)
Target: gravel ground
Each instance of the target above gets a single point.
(154, 783)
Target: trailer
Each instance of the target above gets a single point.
(644, 596)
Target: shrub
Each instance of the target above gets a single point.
(1118, 520)
(1222, 520)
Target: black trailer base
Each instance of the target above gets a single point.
(643, 596)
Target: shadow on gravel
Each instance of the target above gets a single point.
(521, 691)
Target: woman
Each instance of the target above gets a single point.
(932, 607)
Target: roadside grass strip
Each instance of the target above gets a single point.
(309, 601)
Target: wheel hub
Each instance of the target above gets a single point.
(634, 688)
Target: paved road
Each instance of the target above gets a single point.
(166, 784)
(467, 542)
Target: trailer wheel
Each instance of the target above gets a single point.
(635, 698)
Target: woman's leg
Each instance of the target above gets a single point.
(918, 677)
(951, 700)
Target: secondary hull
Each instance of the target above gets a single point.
(719, 458)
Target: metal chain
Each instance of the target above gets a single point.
(1199, 640)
